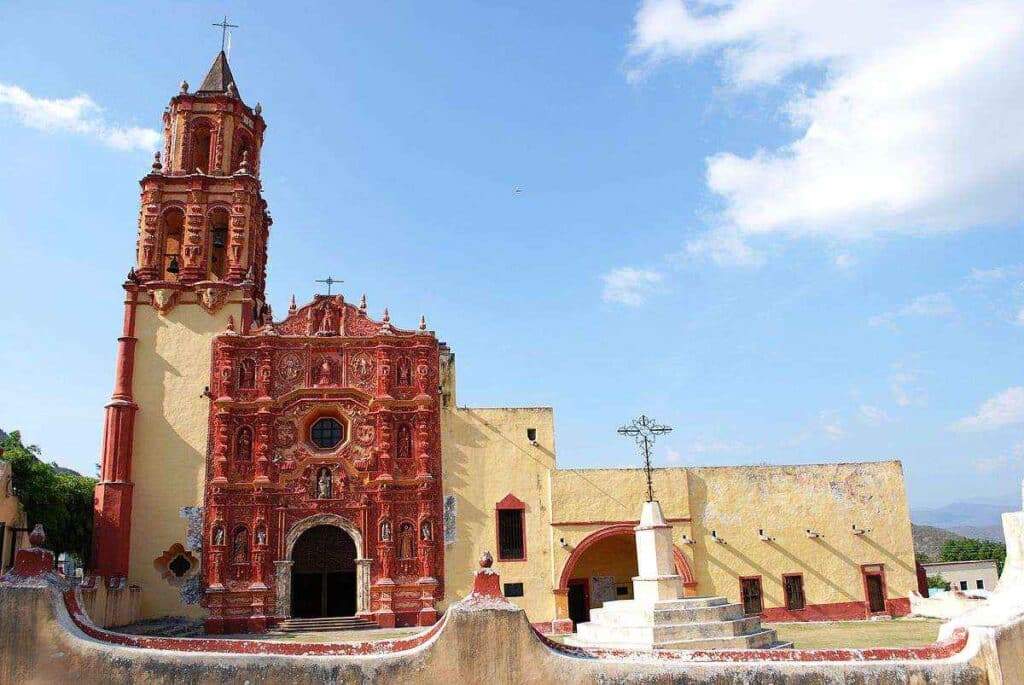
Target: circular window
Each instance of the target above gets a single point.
(327, 433)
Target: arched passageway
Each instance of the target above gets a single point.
(324, 573)
(601, 568)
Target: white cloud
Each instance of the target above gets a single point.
(936, 305)
(873, 416)
(1013, 459)
(996, 274)
(716, 446)
(905, 389)
(79, 114)
(845, 261)
(1004, 409)
(629, 286)
(906, 115)
(832, 426)
(725, 248)
(672, 456)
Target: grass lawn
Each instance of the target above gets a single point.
(857, 634)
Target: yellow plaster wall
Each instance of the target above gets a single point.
(787, 500)
(172, 366)
(486, 456)
(11, 513)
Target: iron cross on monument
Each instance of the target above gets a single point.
(330, 280)
(644, 432)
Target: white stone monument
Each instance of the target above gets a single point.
(658, 616)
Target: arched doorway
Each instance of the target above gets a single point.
(324, 573)
(601, 568)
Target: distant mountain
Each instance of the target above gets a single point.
(928, 540)
(981, 532)
(976, 514)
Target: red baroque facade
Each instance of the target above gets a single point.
(268, 480)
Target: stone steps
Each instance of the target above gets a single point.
(599, 632)
(328, 623)
(626, 613)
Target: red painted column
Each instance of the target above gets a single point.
(112, 504)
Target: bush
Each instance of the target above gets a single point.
(937, 582)
(59, 499)
(969, 549)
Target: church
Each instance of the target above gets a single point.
(257, 469)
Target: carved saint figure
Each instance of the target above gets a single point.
(404, 442)
(404, 372)
(406, 541)
(218, 536)
(244, 451)
(323, 484)
(261, 537)
(324, 378)
(327, 323)
(246, 374)
(425, 531)
(385, 531)
(240, 545)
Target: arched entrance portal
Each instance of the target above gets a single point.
(601, 568)
(324, 573)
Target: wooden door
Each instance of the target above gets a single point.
(876, 593)
(579, 601)
(750, 592)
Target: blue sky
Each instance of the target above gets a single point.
(789, 233)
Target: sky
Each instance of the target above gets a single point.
(790, 229)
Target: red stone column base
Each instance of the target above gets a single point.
(385, 618)
(426, 617)
(214, 625)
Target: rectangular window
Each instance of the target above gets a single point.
(794, 587)
(750, 592)
(981, 584)
(963, 584)
(621, 591)
(510, 535)
(513, 589)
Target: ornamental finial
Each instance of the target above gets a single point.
(292, 308)
(184, 87)
(157, 166)
(387, 316)
(258, 109)
(243, 166)
(362, 303)
(231, 323)
(38, 536)
(486, 560)
(423, 323)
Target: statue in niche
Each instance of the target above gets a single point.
(404, 372)
(247, 374)
(323, 484)
(406, 541)
(240, 546)
(327, 323)
(404, 442)
(244, 451)
(261, 537)
(385, 531)
(324, 377)
(426, 533)
(218, 536)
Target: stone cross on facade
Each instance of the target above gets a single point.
(330, 280)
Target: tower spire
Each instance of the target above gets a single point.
(219, 79)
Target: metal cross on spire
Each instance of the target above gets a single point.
(224, 26)
(330, 280)
(644, 432)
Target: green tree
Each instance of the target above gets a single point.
(58, 498)
(970, 549)
(937, 582)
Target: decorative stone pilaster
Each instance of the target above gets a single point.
(363, 567)
(283, 587)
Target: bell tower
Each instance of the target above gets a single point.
(200, 269)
